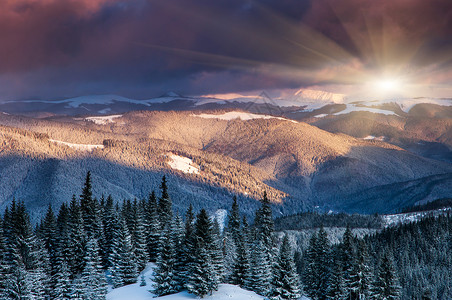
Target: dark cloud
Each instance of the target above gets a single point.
(57, 48)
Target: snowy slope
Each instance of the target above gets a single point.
(103, 120)
(81, 147)
(183, 164)
(135, 292)
(395, 219)
(352, 107)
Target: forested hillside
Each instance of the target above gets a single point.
(90, 244)
(209, 156)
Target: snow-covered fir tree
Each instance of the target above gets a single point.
(285, 281)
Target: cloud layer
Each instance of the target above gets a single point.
(141, 48)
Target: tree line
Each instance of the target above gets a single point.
(91, 243)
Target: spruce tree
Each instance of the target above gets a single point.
(139, 239)
(123, 268)
(93, 278)
(202, 279)
(89, 208)
(285, 281)
(387, 284)
(260, 276)
(153, 230)
(336, 285)
(61, 278)
(77, 239)
(187, 257)
(178, 235)
(311, 273)
(165, 282)
(165, 210)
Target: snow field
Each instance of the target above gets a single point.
(103, 120)
(183, 164)
(81, 147)
(137, 292)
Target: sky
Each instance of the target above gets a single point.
(53, 49)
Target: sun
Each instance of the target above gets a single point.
(388, 84)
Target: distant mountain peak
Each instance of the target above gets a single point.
(171, 94)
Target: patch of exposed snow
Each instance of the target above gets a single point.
(232, 115)
(371, 137)
(103, 120)
(352, 107)
(320, 116)
(82, 147)
(5, 113)
(403, 218)
(135, 291)
(183, 164)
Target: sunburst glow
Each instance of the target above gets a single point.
(388, 84)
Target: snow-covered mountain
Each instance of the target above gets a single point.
(303, 103)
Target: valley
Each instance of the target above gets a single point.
(356, 161)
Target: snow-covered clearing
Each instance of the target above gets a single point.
(395, 219)
(137, 292)
(103, 120)
(351, 108)
(183, 164)
(232, 115)
(82, 147)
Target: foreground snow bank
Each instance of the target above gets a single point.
(137, 292)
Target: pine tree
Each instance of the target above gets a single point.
(165, 210)
(61, 278)
(164, 274)
(336, 285)
(77, 239)
(285, 281)
(153, 230)
(233, 227)
(89, 208)
(179, 261)
(139, 239)
(187, 257)
(241, 268)
(311, 273)
(323, 262)
(264, 224)
(362, 272)
(260, 277)
(387, 284)
(93, 278)
(109, 222)
(202, 279)
(122, 262)
(217, 252)
(348, 261)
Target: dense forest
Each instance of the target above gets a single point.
(90, 244)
